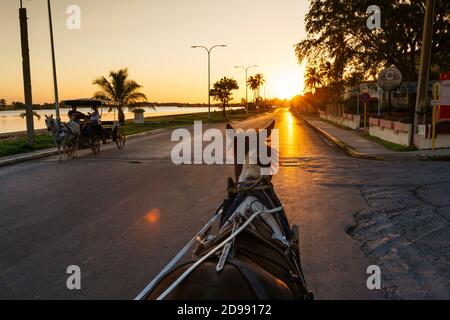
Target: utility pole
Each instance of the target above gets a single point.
(424, 71)
(26, 73)
(55, 78)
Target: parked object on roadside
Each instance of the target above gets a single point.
(139, 116)
(93, 131)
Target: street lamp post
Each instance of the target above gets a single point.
(209, 72)
(55, 79)
(246, 84)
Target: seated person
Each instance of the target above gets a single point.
(94, 118)
(93, 125)
(75, 115)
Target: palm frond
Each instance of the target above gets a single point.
(137, 97)
(35, 114)
(100, 95)
(118, 80)
(106, 87)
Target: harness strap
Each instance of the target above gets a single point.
(213, 251)
(252, 279)
(240, 190)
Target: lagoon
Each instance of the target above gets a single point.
(10, 121)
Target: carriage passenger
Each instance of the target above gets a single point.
(75, 115)
(94, 125)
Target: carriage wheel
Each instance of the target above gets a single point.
(96, 144)
(120, 138)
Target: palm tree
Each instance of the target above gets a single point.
(35, 114)
(122, 91)
(222, 91)
(313, 78)
(3, 103)
(327, 72)
(255, 83)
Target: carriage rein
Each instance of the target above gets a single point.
(255, 185)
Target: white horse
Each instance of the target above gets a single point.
(63, 134)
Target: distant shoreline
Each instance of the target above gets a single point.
(173, 105)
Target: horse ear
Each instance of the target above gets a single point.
(229, 126)
(46, 116)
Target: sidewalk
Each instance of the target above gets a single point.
(357, 146)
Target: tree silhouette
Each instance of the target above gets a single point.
(337, 32)
(222, 91)
(121, 90)
(313, 78)
(327, 73)
(255, 83)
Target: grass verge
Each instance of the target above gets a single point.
(389, 145)
(20, 146)
(185, 120)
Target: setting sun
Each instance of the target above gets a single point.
(288, 84)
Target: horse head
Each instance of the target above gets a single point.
(252, 153)
(50, 123)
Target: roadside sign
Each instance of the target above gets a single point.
(390, 79)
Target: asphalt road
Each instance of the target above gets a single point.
(122, 215)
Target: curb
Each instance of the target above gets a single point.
(347, 149)
(36, 155)
(28, 157)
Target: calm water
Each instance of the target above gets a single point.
(10, 121)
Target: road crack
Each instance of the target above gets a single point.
(405, 235)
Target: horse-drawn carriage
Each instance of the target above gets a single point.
(247, 251)
(81, 133)
(108, 131)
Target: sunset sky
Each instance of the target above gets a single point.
(153, 39)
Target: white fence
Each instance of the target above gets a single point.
(351, 121)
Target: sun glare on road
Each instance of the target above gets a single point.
(289, 134)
